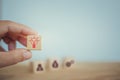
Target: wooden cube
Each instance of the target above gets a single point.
(68, 63)
(38, 66)
(33, 42)
(53, 64)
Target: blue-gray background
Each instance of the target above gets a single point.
(88, 30)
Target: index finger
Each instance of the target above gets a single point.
(13, 27)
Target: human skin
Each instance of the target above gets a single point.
(10, 32)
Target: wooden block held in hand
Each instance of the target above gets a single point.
(39, 67)
(33, 42)
(68, 63)
(53, 64)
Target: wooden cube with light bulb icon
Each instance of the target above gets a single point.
(34, 42)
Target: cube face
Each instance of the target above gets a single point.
(34, 42)
(68, 63)
(39, 67)
(53, 64)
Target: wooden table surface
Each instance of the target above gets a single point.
(82, 71)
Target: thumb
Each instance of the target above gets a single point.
(13, 57)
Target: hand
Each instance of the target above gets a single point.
(11, 32)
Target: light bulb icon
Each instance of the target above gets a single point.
(34, 41)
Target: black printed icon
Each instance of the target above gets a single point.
(55, 64)
(39, 68)
(68, 64)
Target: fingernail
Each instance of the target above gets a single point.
(27, 55)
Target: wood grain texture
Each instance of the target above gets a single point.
(82, 71)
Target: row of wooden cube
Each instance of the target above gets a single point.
(52, 65)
